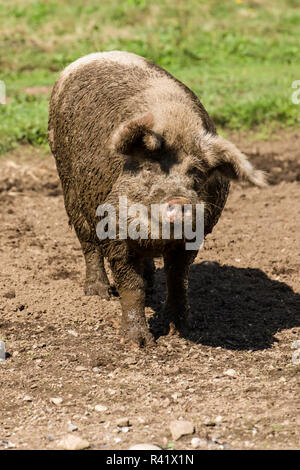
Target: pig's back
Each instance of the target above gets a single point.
(95, 94)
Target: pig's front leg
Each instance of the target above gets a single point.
(177, 264)
(128, 275)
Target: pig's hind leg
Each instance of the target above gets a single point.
(148, 274)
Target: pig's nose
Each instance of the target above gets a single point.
(174, 210)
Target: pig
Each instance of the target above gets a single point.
(119, 125)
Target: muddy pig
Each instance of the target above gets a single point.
(120, 125)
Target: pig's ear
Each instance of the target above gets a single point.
(135, 133)
(224, 157)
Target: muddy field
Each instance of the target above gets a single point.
(245, 299)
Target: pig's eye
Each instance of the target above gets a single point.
(196, 174)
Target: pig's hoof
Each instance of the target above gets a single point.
(177, 319)
(137, 338)
(174, 330)
(97, 288)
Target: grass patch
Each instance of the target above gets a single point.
(240, 57)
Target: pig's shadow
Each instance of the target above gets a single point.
(231, 307)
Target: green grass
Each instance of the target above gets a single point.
(240, 57)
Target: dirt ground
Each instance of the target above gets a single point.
(245, 300)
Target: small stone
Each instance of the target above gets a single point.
(142, 420)
(295, 344)
(11, 445)
(296, 357)
(181, 428)
(27, 398)
(144, 447)
(124, 429)
(56, 401)
(72, 427)
(196, 442)
(100, 408)
(230, 372)
(73, 333)
(80, 368)
(218, 419)
(210, 264)
(122, 422)
(71, 442)
(2, 351)
(96, 369)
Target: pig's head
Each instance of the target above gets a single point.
(175, 167)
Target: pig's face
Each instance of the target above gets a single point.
(174, 173)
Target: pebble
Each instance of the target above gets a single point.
(295, 344)
(27, 398)
(181, 428)
(80, 368)
(56, 400)
(100, 408)
(215, 437)
(196, 442)
(230, 372)
(7, 445)
(219, 419)
(2, 351)
(73, 333)
(124, 429)
(296, 357)
(144, 447)
(142, 420)
(71, 442)
(123, 422)
(72, 427)
(210, 264)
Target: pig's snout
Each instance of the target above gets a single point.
(175, 209)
